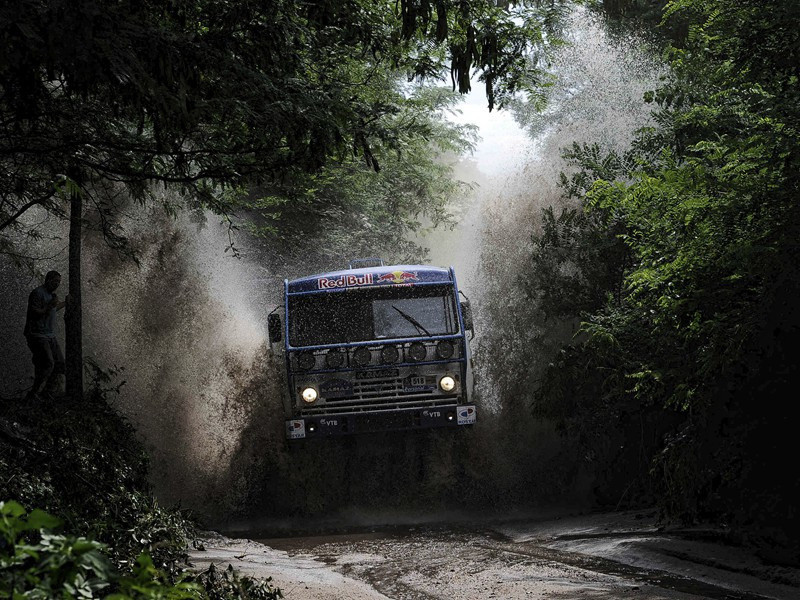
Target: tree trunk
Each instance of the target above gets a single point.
(73, 325)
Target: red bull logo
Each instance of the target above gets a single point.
(398, 277)
(394, 277)
(327, 283)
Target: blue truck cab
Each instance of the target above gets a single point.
(374, 348)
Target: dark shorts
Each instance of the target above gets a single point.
(46, 353)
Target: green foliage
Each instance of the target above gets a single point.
(493, 39)
(575, 264)
(360, 212)
(208, 97)
(707, 217)
(705, 205)
(38, 562)
(228, 585)
(83, 462)
(643, 16)
(149, 583)
(52, 567)
(35, 562)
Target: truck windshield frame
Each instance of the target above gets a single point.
(372, 313)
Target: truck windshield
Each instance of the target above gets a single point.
(371, 314)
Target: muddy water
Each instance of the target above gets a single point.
(206, 400)
(600, 556)
(422, 564)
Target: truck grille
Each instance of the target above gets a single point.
(372, 393)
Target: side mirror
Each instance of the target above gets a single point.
(466, 313)
(274, 328)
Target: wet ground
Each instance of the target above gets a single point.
(599, 556)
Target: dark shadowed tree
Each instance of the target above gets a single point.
(205, 97)
(697, 343)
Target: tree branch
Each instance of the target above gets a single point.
(25, 207)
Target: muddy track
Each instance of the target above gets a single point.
(387, 576)
(603, 557)
(654, 577)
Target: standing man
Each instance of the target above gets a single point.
(48, 360)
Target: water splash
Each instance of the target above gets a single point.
(189, 325)
(215, 419)
(598, 99)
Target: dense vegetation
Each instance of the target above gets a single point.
(292, 119)
(216, 99)
(681, 264)
(83, 462)
(235, 106)
(680, 261)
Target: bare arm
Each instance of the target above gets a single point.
(54, 303)
(60, 305)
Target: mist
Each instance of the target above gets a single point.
(187, 326)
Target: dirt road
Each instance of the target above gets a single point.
(621, 555)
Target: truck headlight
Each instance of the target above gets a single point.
(309, 395)
(306, 361)
(389, 355)
(334, 359)
(447, 383)
(445, 349)
(362, 356)
(417, 351)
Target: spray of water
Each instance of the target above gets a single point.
(189, 326)
(597, 99)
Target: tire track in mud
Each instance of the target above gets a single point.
(596, 564)
(429, 564)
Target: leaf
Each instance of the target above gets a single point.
(11, 509)
(38, 519)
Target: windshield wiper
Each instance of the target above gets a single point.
(412, 320)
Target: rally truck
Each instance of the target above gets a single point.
(374, 348)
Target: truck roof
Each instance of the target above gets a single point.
(370, 277)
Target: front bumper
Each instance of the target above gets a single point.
(385, 420)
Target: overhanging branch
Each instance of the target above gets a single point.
(25, 208)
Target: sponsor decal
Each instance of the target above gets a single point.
(466, 415)
(327, 283)
(433, 414)
(398, 277)
(329, 422)
(295, 429)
